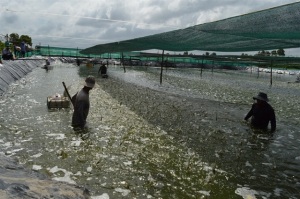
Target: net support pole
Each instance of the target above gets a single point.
(202, 67)
(123, 63)
(130, 61)
(161, 67)
(271, 75)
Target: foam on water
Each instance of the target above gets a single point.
(65, 178)
(36, 167)
(124, 192)
(246, 193)
(103, 196)
(37, 155)
(57, 136)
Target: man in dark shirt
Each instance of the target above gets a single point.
(7, 54)
(82, 104)
(262, 113)
(103, 71)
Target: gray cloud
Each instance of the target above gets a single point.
(74, 23)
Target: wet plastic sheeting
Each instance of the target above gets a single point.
(30, 64)
(14, 72)
(11, 71)
(6, 76)
(20, 70)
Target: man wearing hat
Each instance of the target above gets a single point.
(262, 113)
(103, 70)
(81, 104)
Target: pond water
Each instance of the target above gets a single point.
(182, 139)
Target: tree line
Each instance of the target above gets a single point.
(16, 40)
(279, 52)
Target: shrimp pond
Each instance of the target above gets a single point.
(184, 138)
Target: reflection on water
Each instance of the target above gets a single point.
(182, 139)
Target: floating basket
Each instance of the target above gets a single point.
(58, 102)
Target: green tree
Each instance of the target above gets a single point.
(14, 38)
(280, 52)
(26, 39)
(262, 53)
(1, 46)
(274, 53)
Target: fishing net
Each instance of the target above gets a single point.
(273, 28)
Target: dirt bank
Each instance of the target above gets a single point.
(18, 183)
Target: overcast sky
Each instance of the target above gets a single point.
(82, 24)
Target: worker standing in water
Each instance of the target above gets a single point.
(103, 71)
(262, 113)
(81, 104)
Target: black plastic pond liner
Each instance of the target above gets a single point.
(11, 71)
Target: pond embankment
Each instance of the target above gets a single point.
(11, 71)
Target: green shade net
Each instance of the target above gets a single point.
(273, 28)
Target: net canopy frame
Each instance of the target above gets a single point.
(274, 28)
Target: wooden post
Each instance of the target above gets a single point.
(271, 77)
(123, 63)
(68, 94)
(161, 67)
(202, 67)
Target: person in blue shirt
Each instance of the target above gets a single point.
(262, 113)
(23, 49)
